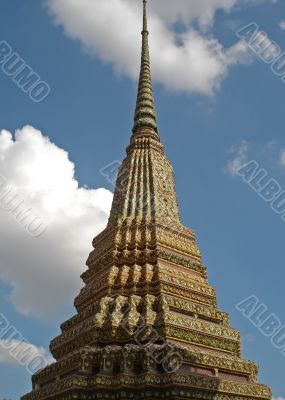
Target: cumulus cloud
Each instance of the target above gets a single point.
(192, 61)
(44, 271)
(238, 159)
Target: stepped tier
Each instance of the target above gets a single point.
(137, 372)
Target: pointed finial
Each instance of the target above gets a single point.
(145, 115)
(145, 16)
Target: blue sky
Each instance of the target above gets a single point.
(208, 125)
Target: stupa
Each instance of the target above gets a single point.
(147, 324)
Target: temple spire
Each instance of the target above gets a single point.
(145, 115)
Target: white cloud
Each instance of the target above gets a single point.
(21, 353)
(44, 272)
(239, 158)
(190, 61)
(278, 398)
(282, 25)
(201, 10)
